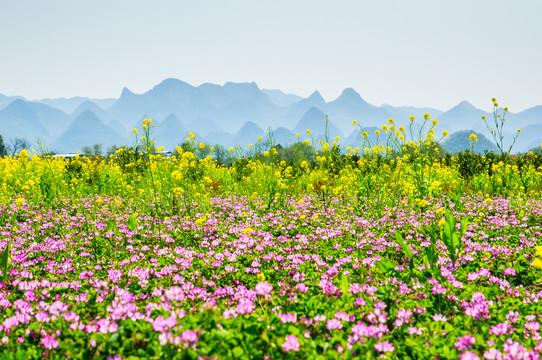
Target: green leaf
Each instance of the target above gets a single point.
(447, 239)
(4, 262)
(385, 265)
(464, 225)
(237, 352)
(345, 284)
(405, 247)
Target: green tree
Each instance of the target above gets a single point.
(3, 151)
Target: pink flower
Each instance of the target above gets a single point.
(509, 272)
(49, 342)
(302, 288)
(334, 324)
(469, 356)
(189, 336)
(384, 347)
(245, 307)
(263, 289)
(465, 342)
(289, 317)
(291, 343)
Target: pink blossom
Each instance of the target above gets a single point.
(263, 289)
(49, 342)
(384, 347)
(291, 343)
(334, 324)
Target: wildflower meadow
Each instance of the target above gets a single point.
(390, 250)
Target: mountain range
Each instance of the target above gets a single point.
(230, 115)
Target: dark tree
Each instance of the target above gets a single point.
(3, 150)
(17, 144)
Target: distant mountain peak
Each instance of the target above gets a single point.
(250, 85)
(465, 105)
(172, 82)
(126, 92)
(316, 97)
(350, 95)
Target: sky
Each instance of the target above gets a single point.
(400, 52)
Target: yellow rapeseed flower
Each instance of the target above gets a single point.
(537, 263)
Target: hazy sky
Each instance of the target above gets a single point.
(400, 52)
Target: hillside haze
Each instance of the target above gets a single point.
(234, 114)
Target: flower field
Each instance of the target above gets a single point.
(399, 256)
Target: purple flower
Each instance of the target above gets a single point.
(501, 329)
(291, 343)
(465, 342)
(513, 316)
(302, 288)
(439, 317)
(334, 324)
(189, 336)
(263, 289)
(245, 307)
(360, 302)
(49, 342)
(469, 356)
(493, 354)
(384, 347)
(509, 272)
(344, 316)
(403, 317)
(289, 317)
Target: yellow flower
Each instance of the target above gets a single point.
(434, 122)
(337, 138)
(539, 251)
(247, 231)
(445, 133)
(519, 131)
(296, 134)
(537, 263)
(365, 135)
(354, 122)
(260, 276)
(191, 135)
(426, 116)
(201, 145)
(506, 109)
(390, 121)
(411, 118)
(259, 138)
(307, 141)
(377, 132)
(134, 131)
(384, 128)
(483, 117)
(308, 131)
